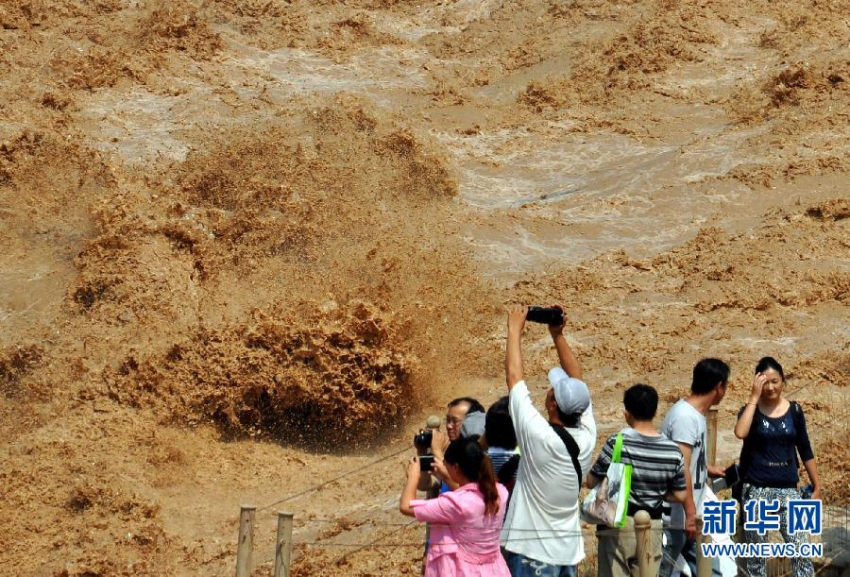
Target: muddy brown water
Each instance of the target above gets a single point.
(671, 224)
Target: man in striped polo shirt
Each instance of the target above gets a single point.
(658, 474)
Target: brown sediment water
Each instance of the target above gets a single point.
(248, 246)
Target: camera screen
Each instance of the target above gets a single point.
(426, 462)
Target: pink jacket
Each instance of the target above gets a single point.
(464, 542)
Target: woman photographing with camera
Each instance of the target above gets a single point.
(774, 432)
(465, 522)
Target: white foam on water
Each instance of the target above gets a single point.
(609, 189)
(141, 125)
(506, 169)
(755, 342)
(375, 73)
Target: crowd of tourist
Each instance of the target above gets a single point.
(502, 485)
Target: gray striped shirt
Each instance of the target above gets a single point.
(657, 467)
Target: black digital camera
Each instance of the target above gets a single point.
(426, 463)
(545, 315)
(422, 440)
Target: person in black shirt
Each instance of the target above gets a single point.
(500, 438)
(774, 432)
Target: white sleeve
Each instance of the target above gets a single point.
(527, 420)
(587, 421)
(587, 442)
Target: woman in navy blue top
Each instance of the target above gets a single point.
(774, 433)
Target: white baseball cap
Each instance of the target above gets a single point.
(572, 395)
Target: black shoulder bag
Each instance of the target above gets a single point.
(572, 448)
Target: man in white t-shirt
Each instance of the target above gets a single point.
(685, 424)
(542, 535)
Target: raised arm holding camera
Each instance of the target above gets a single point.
(542, 534)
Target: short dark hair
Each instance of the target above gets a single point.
(767, 363)
(570, 421)
(641, 401)
(474, 405)
(498, 426)
(707, 373)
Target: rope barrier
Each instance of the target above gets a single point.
(539, 535)
(829, 511)
(357, 523)
(368, 545)
(335, 479)
(557, 532)
(839, 418)
(827, 563)
(604, 533)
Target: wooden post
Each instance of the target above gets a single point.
(245, 545)
(283, 546)
(643, 543)
(704, 564)
(711, 437)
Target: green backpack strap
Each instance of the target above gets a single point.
(626, 487)
(618, 448)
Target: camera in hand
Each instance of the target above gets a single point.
(732, 475)
(426, 462)
(545, 315)
(422, 440)
(731, 479)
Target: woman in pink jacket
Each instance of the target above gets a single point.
(465, 523)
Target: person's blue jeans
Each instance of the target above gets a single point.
(522, 566)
